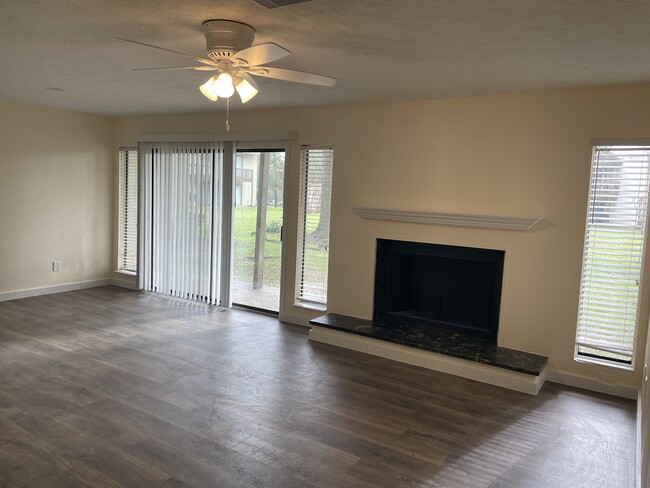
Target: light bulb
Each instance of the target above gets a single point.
(223, 86)
(247, 89)
(207, 89)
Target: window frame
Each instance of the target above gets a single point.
(125, 201)
(301, 299)
(601, 206)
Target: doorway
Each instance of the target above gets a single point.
(258, 202)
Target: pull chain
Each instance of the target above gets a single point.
(227, 114)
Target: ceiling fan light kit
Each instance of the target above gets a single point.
(231, 54)
(247, 88)
(224, 86)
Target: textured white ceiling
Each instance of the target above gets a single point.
(377, 49)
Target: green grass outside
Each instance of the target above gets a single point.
(615, 270)
(244, 246)
(245, 220)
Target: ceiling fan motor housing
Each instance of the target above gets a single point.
(223, 38)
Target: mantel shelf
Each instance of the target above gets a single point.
(442, 218)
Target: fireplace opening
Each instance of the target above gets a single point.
(449, 286)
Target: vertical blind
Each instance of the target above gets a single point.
(182, 204)
(314, 223)
(127, 252)
(613, 252)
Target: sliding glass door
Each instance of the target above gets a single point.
(257, 228)
(212, 223)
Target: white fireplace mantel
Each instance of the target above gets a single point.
(444, 218)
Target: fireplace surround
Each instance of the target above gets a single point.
(437, 307)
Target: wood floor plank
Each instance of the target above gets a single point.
(196, 473)
(125, 469)
(107, 387)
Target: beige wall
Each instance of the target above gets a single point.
(519, 155)
(56, 196)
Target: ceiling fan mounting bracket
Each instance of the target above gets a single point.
(223, 37)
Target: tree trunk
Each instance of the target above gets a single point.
(260, 227)
(322, 229)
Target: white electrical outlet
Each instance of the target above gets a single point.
(56, 265)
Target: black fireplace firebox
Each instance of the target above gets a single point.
(449, 286)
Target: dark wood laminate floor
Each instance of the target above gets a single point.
(112, 388)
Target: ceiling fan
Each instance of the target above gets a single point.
(232, 55)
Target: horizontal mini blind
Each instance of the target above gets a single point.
(181, 240)
(613, 252)
(127, 253)
(314, 224)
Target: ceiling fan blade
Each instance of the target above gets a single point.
(197, 68)
(200, 60)
(295, 76)
(260, 54)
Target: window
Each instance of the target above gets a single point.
(314, 224)
(127, 249)
(613, 254)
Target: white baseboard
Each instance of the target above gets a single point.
(294, 319)
(591, 384)
(47, 290)
(505, 378)
(124, 281)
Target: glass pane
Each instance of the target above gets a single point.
(259, 190)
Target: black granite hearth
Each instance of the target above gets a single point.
(439, 340)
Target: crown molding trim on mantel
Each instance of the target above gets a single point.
(443, 218)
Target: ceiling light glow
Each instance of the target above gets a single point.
(223, 86)
(208, 90)
(247, 89)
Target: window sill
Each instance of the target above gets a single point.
(127, 273)
(311, 306)
(604, 362)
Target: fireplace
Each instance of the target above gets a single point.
(457, 288)
(445, 300)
